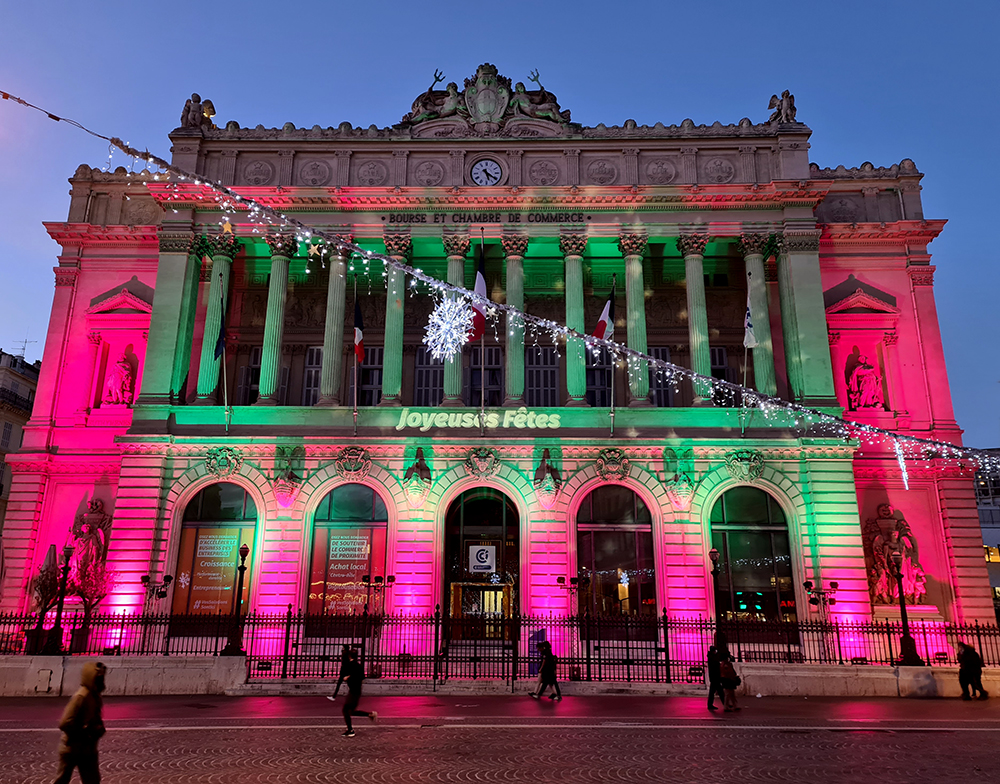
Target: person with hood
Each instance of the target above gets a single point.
(715, 678)
(355, 677)
(82, 727)
(970, 672)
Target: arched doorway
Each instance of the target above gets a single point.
(347, 562)
(482, 562)
(219, 520)
(755, 581)
(614, 545)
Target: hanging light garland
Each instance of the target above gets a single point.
(443, 331)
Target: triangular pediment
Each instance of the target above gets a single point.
(132, 297)
(856, 296)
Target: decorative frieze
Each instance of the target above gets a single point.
(176, 243)
(799, 241)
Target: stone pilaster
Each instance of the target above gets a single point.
(632, 246)
(753, 247)
(94, 341)
(283, 248)
(397, 245)
(333, 328)
(514, 248)
(572, 247)
(692, 248)
(223, 250)
(456, 247)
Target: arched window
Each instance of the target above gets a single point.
(217, 522)
(750, 532)
(614, 537)
(347, 567)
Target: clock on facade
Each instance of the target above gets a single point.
(486, 172)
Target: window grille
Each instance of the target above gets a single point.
(428, 379)
(8, 428)
(494, 377)
(599, 378)
(369, 379)
(541, 376)
(661, 386)
(311, 375)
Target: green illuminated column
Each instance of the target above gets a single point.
(398, 246)
(572, 247)
(283, 247)
(223, 249)
(632, 246)
(514, 248)
(197, 250)
(692, 248)
(753, 247)
(333, 329)
(803, 319)
(456, 246)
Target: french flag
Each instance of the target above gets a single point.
(606, 324)
(359, 333)
(479, 308)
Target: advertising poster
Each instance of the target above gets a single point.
(207, 582)
(348, 559)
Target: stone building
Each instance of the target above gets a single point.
(18, 380)
(545, 510)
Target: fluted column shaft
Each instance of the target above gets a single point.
(456, 246)
(572, 247)
(514, 248)
(789, 327)
(753, 247)
(692, 248)
(333, 331)
(223, 250)
(282, 249)
(398, 247)
(632, 247)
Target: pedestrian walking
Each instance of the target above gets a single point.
(970, 672)
(715, 678)
(345, 659)
(355, 677)
(728, 678)
(547, 673)
(82, 727)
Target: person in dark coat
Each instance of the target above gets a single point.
(970, 672)
(714, 678)
(82, 727)
(547, 673)
(728, 678)
(355, 677)
(345, 659)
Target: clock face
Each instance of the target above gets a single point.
(486, 172)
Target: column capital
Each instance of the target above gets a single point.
(753, 244)
(94, 338)
(799, 241)
(66, 276)
(455, 244)
(398, 244)
(572, 244)
(514, 244)
(175, 242)
(223, 245)
(692, 244)
(282, 245)
(921, 275)
(632, 244)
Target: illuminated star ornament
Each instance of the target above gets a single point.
(448, 327)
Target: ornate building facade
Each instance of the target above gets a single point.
(540, 508)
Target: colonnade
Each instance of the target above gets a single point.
(800, 295)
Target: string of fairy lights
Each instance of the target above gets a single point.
(450, 322)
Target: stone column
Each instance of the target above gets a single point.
(94, 341)
(223, 250)
(753, 247)
(398, 246)
(456, 246)
(283, 247)
(514, 248)
(572, 247)
(692, 248)
(632, 246)
(197, 250)
(333, 328)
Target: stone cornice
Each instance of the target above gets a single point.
(866, 171)
(86, 234)
(889, 233)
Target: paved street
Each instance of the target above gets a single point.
(197, 740)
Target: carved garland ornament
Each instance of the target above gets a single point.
(745, 465)
(482, 462)
(612, 464)
(353, 463)
(223, 461)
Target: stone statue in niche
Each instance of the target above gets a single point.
(883, 536)
(197, 114)
(92, 532)
(864, 384)
(118, 383)
(784, 108)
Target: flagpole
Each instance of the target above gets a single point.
(614, 364)
(482, 347)
(746, 355)
(225, 375)
(355, 352)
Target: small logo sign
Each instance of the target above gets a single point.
(482, 558)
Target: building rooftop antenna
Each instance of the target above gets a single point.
(24, 345)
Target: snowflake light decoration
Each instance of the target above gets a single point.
(448, 327)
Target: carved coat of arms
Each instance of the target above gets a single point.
(612, 464)
(482, 462)
(223, 461)
(680, 492)
(487, 95)
(353, 463)
(745, 465)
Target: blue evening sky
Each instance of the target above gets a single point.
(876, 81)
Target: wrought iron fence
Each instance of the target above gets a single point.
(438, 647)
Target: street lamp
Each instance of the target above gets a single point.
(235, 645)
(53, 642)
(908, 655)
(713, 556)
